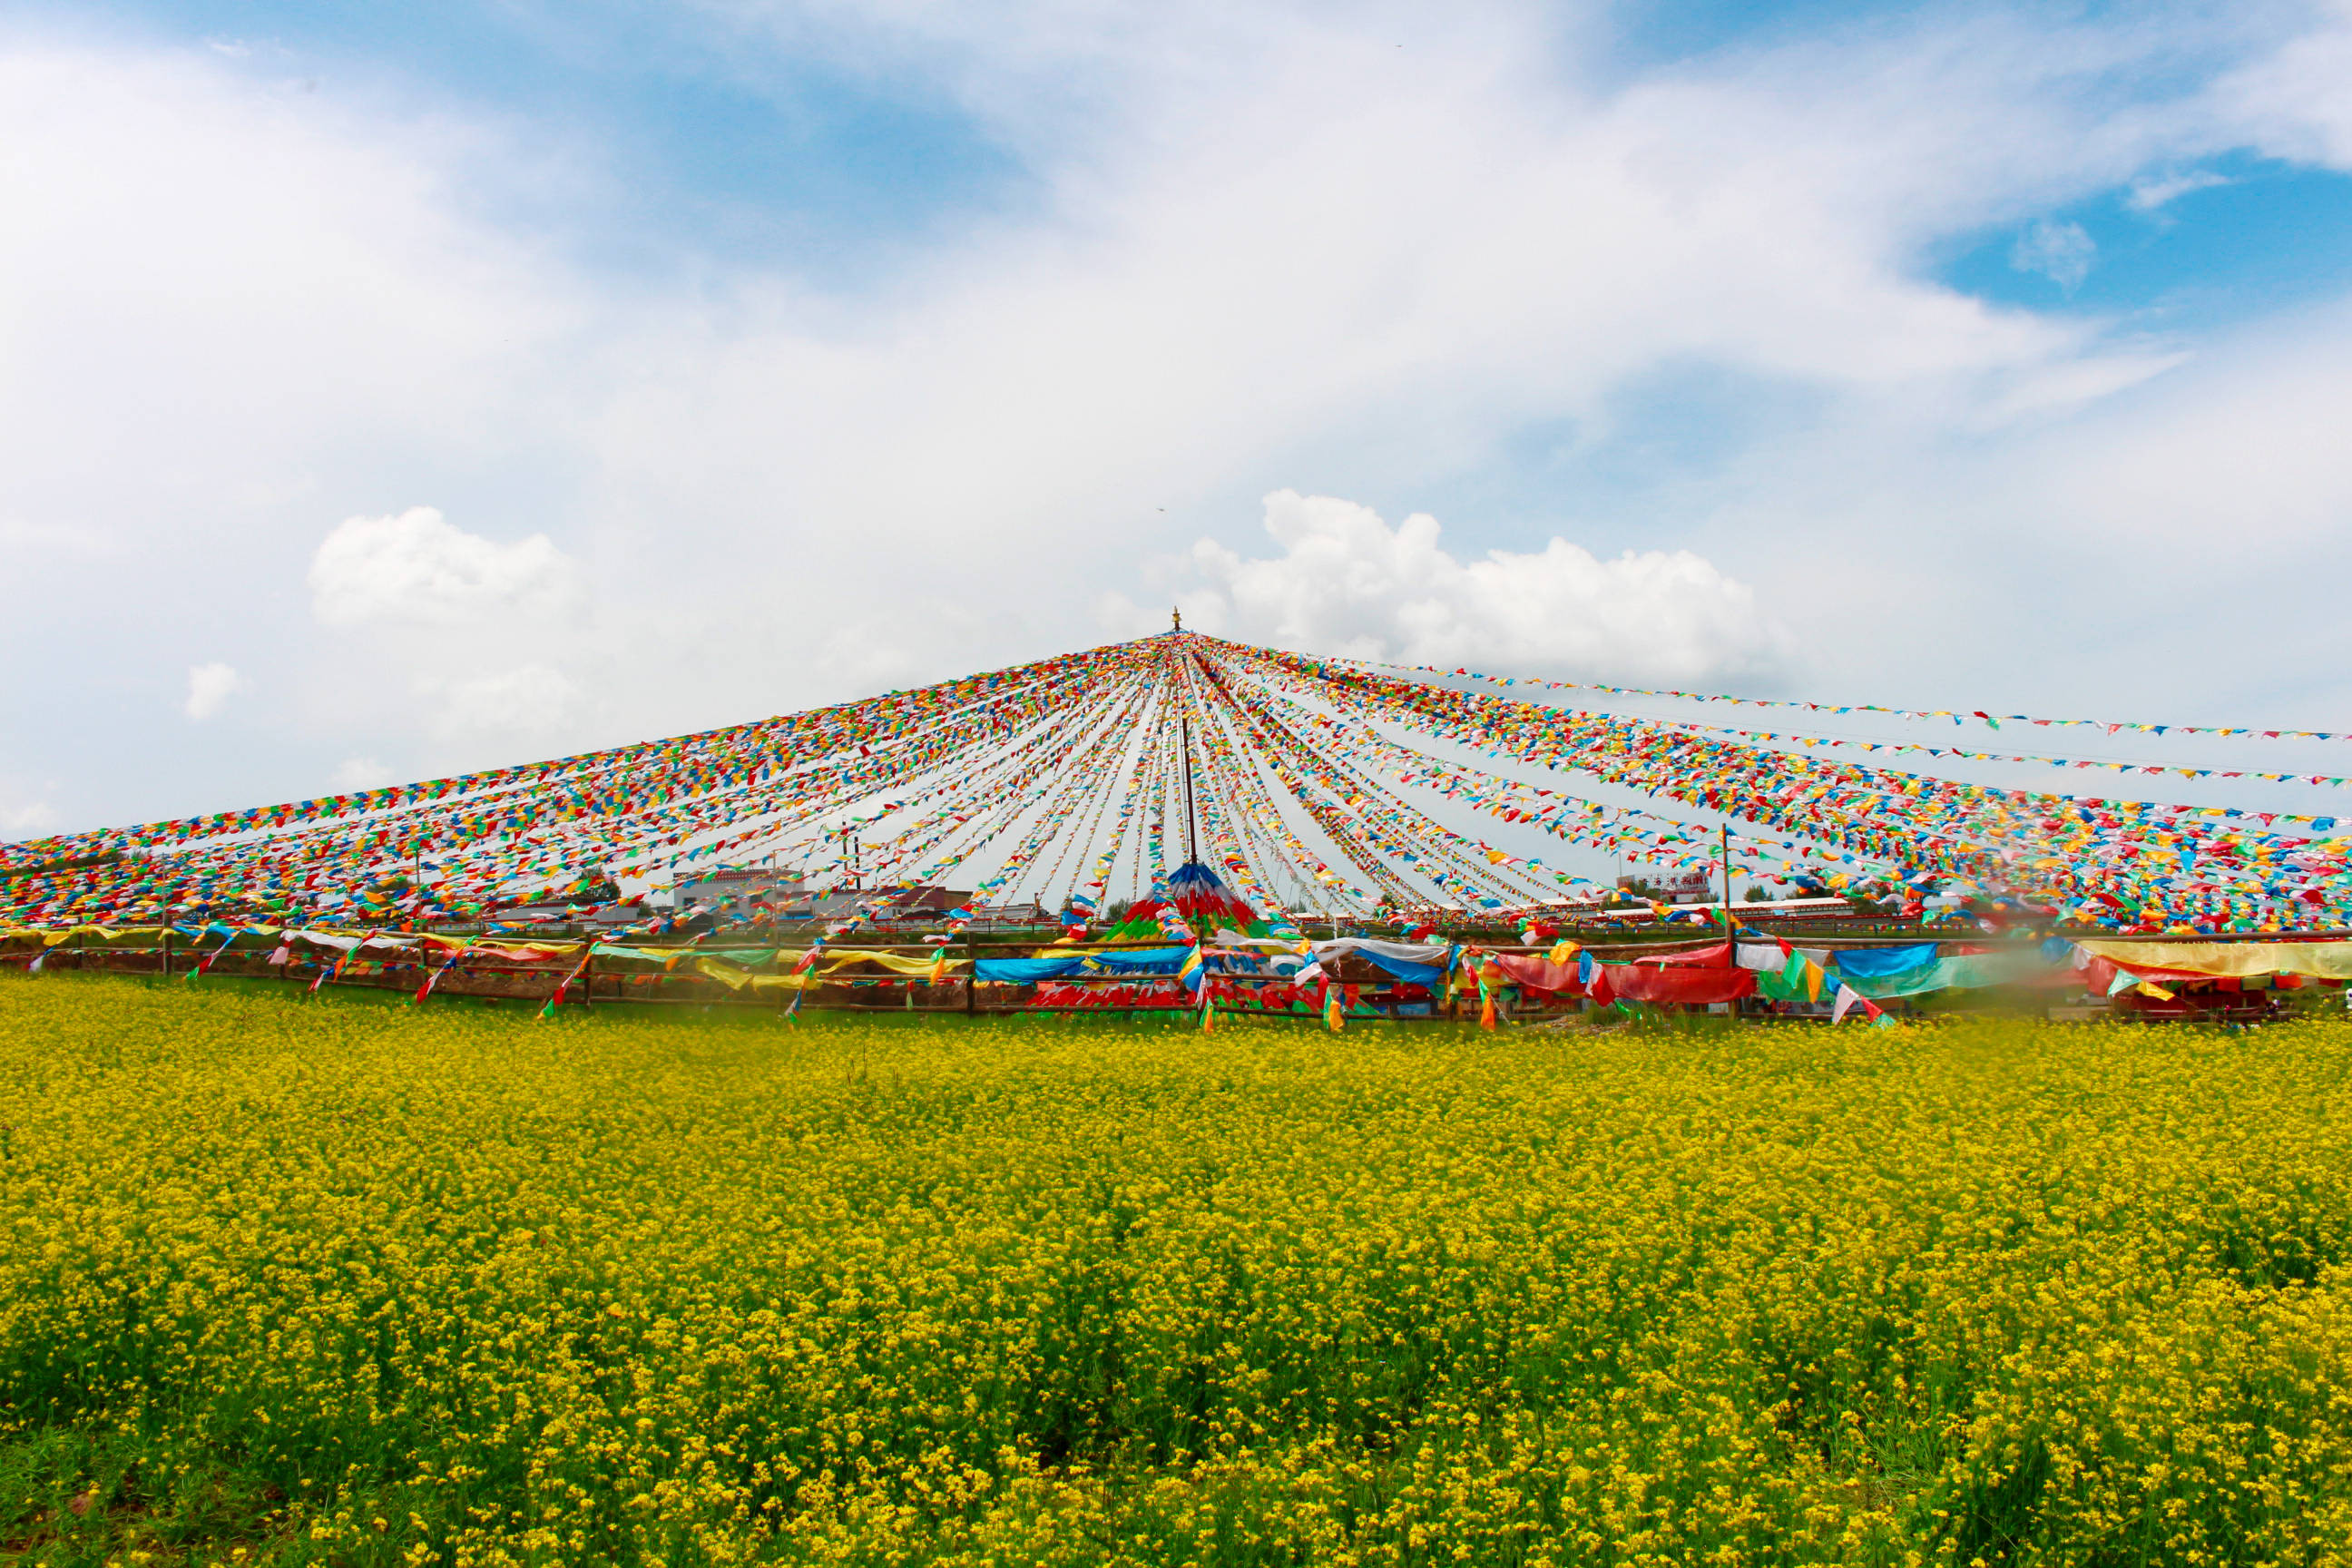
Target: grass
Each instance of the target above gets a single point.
(286, 1282)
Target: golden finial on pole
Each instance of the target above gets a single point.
(1179, 618)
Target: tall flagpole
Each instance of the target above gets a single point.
(1192, 845)
(1726, 876)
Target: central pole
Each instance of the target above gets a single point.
(1192, 845)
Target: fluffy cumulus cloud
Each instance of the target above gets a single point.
(417, 567)
(210, 686)
(1345, 582)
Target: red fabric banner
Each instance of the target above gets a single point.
(1537, 974)
(1691, 980)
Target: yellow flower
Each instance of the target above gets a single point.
(459, 1288)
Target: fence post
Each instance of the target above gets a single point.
(971, 980)
(167, 949)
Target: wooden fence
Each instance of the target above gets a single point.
(1366, 990)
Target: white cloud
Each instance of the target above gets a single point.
(522, 707)
(27, 818)
(2061, 252)
(418, 567)
(1347, 583)
(1251, 247)
(356, 774)
(2074, 384)
(284, 288)
(2292, 98)
(2152, 194)
(210, 686)
(2244, 458)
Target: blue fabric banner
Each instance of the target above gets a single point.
(1870, 963)
(1150, 960)
(1411, 974)
(1026, 971)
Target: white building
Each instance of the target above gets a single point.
(724, 888)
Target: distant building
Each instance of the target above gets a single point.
(913, 903)
(1032, 913)
(836, 904)
(880, 905)
(725, 889)
(611, 914)
(1693, 886)
(1832, 909)
(782, 896)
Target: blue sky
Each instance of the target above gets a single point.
(702, 139)
(2245, 237)
(696, 140)
(476, 381)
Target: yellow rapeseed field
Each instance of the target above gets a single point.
(342, 1282)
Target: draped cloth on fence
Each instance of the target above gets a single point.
(1540, 974)
(1417, 963)
(1685, 985)
(832, 965)
(1962, 971)
(1880, 963)
(1879, 972)
(670, 956)
(1028, 971)
(345, 941)
(1691, 979)
(2318, 960)
(518, 953)
(103, 936)
(837, 959)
